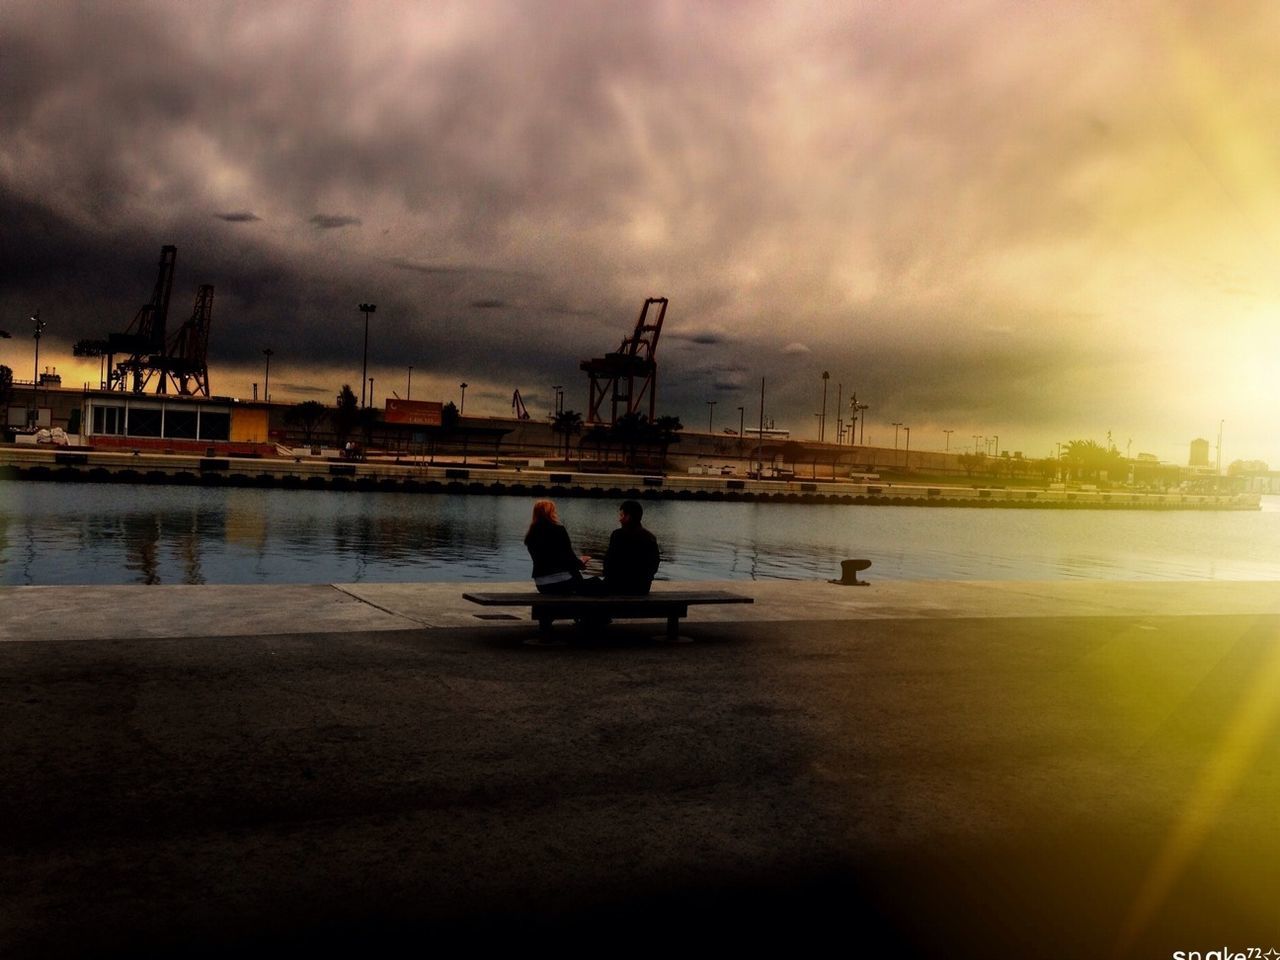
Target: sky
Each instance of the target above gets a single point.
(1032, 220)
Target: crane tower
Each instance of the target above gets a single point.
(629, 376)
(149, 353)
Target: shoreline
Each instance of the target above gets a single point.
(28, 464)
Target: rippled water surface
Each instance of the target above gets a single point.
(53, 533)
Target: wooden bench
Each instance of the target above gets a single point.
(670, 605)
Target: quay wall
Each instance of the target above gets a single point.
(30, 463)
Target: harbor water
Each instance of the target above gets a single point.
(68, 533)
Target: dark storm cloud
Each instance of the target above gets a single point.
(326, 221)
(242, 216)
(488, 304)
(700, 337)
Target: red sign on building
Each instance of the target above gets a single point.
(422, 413)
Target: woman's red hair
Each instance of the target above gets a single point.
(544, 510)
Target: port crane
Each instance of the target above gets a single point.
(628, 376)
(180, 360)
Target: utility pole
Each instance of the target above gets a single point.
(822, 422)
(896, 425)
(408, 387)
(366, 309)
(266, 380)
(948, 433)
(371, 391)
(760, 446)
(463, 406)
(906, 460)
(711, 413)
(35, 376)
(839, 419)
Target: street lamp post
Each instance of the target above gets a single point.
(997, 444)
(896, 425)
(463, 406)
(948, 433)
(371, 391)
(822, 421)
(906, 459)
(366, 309)
(558, 409)
(839, 419)
(408, 387)
(266, 380)
(35, 374)
(711, 412)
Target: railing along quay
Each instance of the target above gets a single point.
(26, 463)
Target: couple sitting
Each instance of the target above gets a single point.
(629, 564)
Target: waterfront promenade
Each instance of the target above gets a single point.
(1067, 769)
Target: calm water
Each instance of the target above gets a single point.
(54, 533)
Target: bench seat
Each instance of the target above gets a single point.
(670, 605)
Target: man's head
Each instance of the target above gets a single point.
(629, 513)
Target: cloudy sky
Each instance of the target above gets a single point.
(1042, 221)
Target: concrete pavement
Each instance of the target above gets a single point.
(1014, 769)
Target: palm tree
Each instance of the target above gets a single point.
(346, 415)
(668, 430)
(568, 423)
(630, 430)
(307, 415)
(597, 434)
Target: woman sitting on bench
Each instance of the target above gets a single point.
(556, 568)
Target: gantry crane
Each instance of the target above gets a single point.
(181, 359)
(615, 375)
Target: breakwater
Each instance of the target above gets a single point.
(78, 466)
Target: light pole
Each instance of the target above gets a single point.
(711, 412)
(896, 425)
(948, 433)
(408, 387)
(266, 380)
(976, 438)
(371, 391)
(366, 309)
(906, 458)
(35, 374)
(559, 403)
(839, 419)
(463, 405)
(862, 430)
(997, 444)
(822, 420)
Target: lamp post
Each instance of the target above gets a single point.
(408, 387)
(839, 419)
(822, 420)
(463, 406)
(711, 412)
(896, 425)
(559, 403)
(371, 391)
(35, 374)
(997, 444)
(948, 433)
(906, 458)
(266, 380)
(366, 309)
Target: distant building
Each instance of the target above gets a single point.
(1199, 453)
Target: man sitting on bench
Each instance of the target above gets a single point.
(632, 558)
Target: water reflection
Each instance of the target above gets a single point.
(82, 533)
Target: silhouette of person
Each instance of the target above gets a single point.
(632, 558)
(556, 568)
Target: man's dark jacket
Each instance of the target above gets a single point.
(631, 560)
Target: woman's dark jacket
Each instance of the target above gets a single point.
(551, 550)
